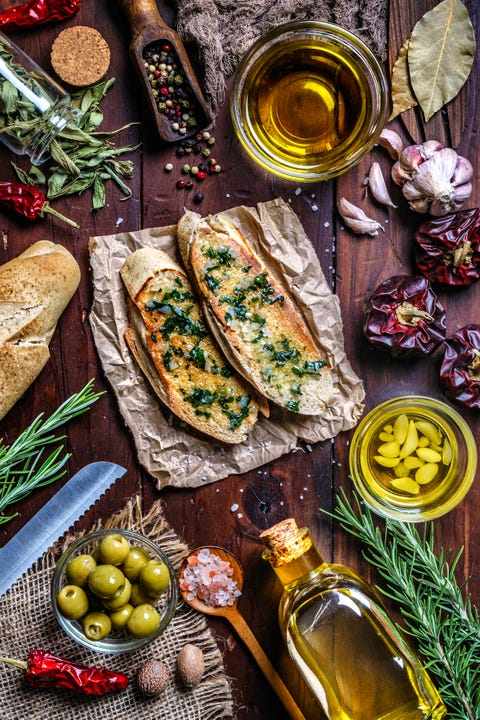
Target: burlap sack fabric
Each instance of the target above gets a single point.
(223, 30)
(27, 622)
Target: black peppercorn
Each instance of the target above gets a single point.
(198, 197)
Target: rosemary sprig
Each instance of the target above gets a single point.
(444, 623)
(23, 466)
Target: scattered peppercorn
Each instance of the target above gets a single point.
(168, 167)
(198, 198)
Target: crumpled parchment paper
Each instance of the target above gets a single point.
(172, 452)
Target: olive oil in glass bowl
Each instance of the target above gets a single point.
(309, 100)
(393, 491)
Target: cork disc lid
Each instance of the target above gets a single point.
(80, 56)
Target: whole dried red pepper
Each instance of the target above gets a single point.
(460, 369)
(49, 671)
(404, 317)
(447, 249)
(28, 201)
(37, 12)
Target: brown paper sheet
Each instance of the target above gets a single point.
(169, 450)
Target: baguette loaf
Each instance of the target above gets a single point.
(35, 288)
(168, 339)
(256, 323)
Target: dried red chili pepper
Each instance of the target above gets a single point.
(404, 317)
(447, 249)
(28, 201)
(460, 369)
(49, 671)
(37, 12)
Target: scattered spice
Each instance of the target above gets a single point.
(37, 12)
(153, 678)
(80, 56)
(29, 202)
(209, 578)
(170, 87)
(190, 665)
(49, 671)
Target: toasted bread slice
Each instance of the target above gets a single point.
(255, 321)
(171, 344)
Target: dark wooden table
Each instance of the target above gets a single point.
(299, 484)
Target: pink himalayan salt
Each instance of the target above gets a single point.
(208, 578)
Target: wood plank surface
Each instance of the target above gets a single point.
(302, 483)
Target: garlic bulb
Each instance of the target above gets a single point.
(434, 179)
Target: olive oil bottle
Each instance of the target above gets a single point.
(347, 648)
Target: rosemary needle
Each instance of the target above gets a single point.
(23, 465)
(444, 623)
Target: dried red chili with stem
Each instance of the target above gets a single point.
(37, 12)
(404, 317)
(49, 671)
(29, 202)
(460, 368)
(447, 249)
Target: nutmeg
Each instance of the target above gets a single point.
(153, 678)
(190, 665)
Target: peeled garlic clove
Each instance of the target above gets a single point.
(392, 142)
(378, 187)
(356, 219)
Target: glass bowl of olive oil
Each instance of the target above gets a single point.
(308, 101)
(413, 458)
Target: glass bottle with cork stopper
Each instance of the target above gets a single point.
(340, 637)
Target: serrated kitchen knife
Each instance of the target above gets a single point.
(54, 519)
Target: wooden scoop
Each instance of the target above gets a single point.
(148, 28)
(232, 614)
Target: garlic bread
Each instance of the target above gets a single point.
(255, 321)
(173, 347)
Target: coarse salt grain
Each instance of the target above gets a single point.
(209, 578)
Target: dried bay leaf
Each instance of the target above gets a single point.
(440, 55)
(402, 93)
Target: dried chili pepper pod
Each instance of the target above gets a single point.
(29, 202)
(404, 317)
(460, 368)
(37, 12)
(447, 249)
(49, 671)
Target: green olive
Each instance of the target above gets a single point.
(96, 625)
(139, 597)
(120, 598)
(143, 621)
(119, 618)
(154, 577)
(72, 602)
(113, 549)
(79, 568)
(106, 580)
(134, 562)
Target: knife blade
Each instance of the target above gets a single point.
(59, 513)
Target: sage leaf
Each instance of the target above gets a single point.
(402, 93)
(98, 194)
(440, 55)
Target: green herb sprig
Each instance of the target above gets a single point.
(444, 623)
(23, 465)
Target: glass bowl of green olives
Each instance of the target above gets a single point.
(114, 591)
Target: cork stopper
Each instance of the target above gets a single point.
(285, 542)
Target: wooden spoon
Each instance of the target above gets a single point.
(232, 614)
(148, 28)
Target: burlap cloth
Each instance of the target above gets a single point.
(223, 30)
(27, 622)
